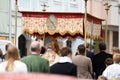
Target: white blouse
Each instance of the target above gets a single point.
(19, 67)
(112, 71)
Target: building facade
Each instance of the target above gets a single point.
(4, 20)
(113, 30)
(113, 25)
(97, 8)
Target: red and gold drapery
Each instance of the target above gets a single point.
(94, 27)
(68, 24)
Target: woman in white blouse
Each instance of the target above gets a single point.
(113, 71)
(12, 63)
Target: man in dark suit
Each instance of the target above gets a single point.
(22, 45)
(99, 60)
(89, 54)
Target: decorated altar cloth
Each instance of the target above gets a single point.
(60, 24)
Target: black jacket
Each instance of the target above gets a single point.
(64, 69)
(99, 62)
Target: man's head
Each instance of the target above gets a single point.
(35, 46)
(81, 49)
(108, 61)
(102, 46)
(66, 52)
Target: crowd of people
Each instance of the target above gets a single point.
(101, 66)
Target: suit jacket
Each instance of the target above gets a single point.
(22, 45)
(64, 69)
(84, 66)
(90, 54)
(35, 63)
(99, 62)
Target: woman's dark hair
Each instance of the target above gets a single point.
(65, 51)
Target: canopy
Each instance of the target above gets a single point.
(60, 24)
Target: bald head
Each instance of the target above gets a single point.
(35, 46)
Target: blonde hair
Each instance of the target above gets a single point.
(116, 57)
(115, 50)
(11, 55)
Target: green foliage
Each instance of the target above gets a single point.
(96, 45)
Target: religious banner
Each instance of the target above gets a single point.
(52, 23)
(59, 24)
(94, 27)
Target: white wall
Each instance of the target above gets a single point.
(53, 5)
(113, 14)
(75, 44)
